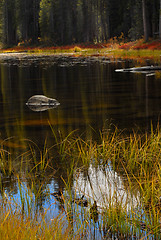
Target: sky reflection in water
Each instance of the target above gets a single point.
(92, 96)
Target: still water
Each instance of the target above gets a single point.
(92, 96)
(90, 92)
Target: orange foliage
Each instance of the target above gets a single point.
(140, 44)
(74, 47)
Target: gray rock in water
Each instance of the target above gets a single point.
(41, 103)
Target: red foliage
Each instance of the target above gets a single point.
(126, 45)
(140, 44)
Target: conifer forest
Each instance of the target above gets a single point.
(63, 22)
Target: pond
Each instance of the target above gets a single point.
(90, 92)
(92, 97)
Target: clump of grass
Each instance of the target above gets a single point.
(77, 49)
(158, 74)
(6, 167)
(14, 226)
(139, 158)
(136, 158)
(40, 160)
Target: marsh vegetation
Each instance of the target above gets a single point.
(120, 175)
(89, 169)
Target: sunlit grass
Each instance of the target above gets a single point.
(136, 54)
(136, 157)
(14, 226)
(114, 48)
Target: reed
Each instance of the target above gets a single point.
(135, 157)
(14, 227)
(6, 164)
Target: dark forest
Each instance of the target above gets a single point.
(61, 22)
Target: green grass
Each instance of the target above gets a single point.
(134, 54)
(135, 157)
(111, 49)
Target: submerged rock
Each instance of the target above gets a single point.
(40, 103)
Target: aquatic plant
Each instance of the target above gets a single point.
(14, 226)
(136, 158)
(6, 163)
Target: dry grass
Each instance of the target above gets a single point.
(137, 157)
(15, 226)
(115, 47)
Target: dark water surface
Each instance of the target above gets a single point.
(89, 90)
(91, 95)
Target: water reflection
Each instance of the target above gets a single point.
(40, 103)
(41, 108)
(92, 96)
(91, 93)
(105, 187)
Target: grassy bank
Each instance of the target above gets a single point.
(136, 158)
(114, 48)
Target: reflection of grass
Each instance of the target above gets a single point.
(158, 74)
(136, 157)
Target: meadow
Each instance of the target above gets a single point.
(114, 48)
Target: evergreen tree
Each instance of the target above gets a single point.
(1, 21)
(27, 19)
(35, 11)
(145, 20)
(44, 17)
(160, 21)
(8, 22)
(66, 22)
(136, 30)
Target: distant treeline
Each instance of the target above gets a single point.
(63, 22)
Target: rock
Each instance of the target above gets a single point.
(42, 100)
(41, 103)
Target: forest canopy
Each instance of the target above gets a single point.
(61, 22)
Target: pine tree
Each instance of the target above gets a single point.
(136, 30)
(27, 15)
(45, 6)
(8, 22)
(145, 24)
(1, 21)
(160, 21)
(64, 22)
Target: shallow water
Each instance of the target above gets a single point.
(92, 96)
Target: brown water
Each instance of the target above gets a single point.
(92, 96)
(90, 92)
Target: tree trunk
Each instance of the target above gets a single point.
(145, 20)
(160, 21)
